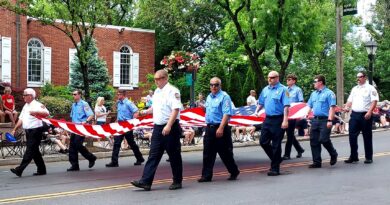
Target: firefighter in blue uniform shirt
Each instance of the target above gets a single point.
(126, 111)
(81, 113)
(362, 101)
(323, 102)
(218, 134)
(296, 95)
(275, 100)
(166, 133)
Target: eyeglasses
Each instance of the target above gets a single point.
(361, 76)
(214, 85)
(272, 77)
(24, 95)
(159, 78)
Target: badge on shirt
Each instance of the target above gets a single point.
(287, 94)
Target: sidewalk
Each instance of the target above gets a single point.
(107, 154)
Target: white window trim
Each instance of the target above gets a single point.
(33, 83)
(127, 86)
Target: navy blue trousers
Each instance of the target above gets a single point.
(358, 124)
(271, 140)
(159, 144)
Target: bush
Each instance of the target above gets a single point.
(56, 105)
(56, 91)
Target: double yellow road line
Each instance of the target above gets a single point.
(161, 181)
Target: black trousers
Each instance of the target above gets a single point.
(358, 124)
(320, 135)
(291, 139)
(159, 144)
(117, 146)
(76, 146)
(223, 146)
(271, 140)
(34, 137)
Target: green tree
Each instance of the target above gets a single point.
(76, 19)
(98, 78)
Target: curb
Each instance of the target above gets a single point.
(103, 155)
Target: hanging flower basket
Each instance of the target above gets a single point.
(181, 61)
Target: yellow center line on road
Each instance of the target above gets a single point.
(161, 181)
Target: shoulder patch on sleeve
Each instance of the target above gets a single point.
(374, 93)
(333, 96)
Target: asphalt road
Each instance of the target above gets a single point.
(341, 184)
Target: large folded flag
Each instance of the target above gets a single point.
(194, 117)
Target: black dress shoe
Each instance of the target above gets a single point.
(138, 184)
(273, 173)
(39, 173)
(368, 161)
(350, 161)
(204, 179)
(315, 166)
(16, 172)
(139, 162)
(175, 186)
(73, 169)
(299, 155)
(333, 159)
(233, 176)
(111, 164)
(92, 162)
(286, 158)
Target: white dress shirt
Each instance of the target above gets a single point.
(362, 96)
(165, 100)
(29, 121)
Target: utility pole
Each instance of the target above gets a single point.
(339, 55)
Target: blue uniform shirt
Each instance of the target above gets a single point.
(80, 111)
(216, 106)
(274, 99)
(126, 109)
(296, 94)
(321, 100)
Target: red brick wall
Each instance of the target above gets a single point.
(108, 41)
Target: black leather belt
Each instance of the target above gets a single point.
(273, 116)
(213, 125)
(320, 117)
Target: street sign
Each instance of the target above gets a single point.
(349, 9)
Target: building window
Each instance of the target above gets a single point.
(125, 65)
(35, 61)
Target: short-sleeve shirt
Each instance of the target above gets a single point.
(8, 100)
(362, 97)
(274, 99)
(80, 111)
(251, 100)
(296, 94)
(126, 109)
(217, 106)
(101, 109)
(321, 101)
(29, 121)
(165, 100)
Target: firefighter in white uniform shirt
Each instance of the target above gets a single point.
(362, 101)
(34, 129)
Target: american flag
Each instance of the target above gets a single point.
(194, 117)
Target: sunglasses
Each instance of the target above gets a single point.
(24, 95)
(315, 81)
(214, 85)
(362, 76)
(272, 77)
(74, 94)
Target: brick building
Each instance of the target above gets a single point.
(32, 54)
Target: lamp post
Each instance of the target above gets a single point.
(371, 50)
